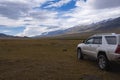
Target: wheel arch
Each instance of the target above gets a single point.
(78, 48)
(107, 61)
(102, 53)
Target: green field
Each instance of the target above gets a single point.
(48, 59)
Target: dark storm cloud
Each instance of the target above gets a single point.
(101, 4)
(13, 10)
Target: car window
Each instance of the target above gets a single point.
(89, 41)
(111, 39)
(97, 40)
(119, 39)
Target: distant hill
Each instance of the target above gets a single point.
(53, 33)
(2, 36)
(5, 36)
(110, 25)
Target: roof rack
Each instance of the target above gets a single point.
(105, 34)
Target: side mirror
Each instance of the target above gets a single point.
(83, 41)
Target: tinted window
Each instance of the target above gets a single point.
(89, 41)
(97, 40)
(119, 39)
(111, 39)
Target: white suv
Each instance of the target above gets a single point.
(104, 47)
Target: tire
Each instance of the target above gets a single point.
(103, 62)
(79, 54)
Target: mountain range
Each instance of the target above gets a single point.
(106, 26)
(5, 36)
(2, 36)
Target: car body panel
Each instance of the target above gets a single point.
(109, 49)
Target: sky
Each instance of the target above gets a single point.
(34, 17)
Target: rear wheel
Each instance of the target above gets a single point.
(103, 62)
(79, 54)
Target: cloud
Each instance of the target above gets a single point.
(32, 30)
(58, 4)
(13, 10)
(102, 4)
(11, 22)
(36, 20)
(42, 14)
(36, 30)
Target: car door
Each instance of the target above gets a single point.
(87, 46)
(97, 42)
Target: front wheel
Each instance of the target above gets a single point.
(103, 62)
(79, 54)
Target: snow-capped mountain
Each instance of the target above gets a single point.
(110, 25)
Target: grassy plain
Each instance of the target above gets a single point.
(48, 59)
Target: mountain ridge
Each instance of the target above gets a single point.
(105, 26)
(110, 25)
(5, 36)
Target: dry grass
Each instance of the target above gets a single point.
(39, 59)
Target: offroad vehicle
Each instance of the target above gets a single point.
(105, 48)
